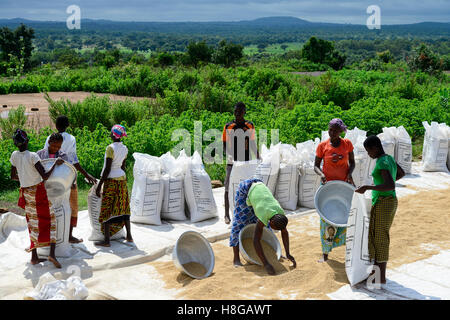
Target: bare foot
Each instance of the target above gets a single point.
(237, 264)
(102, 244)
(323, 259)
(55, 262)
(129, 239)
(33, 262)
(227, 220)
(75, 240)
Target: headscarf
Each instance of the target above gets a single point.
(339, 123)
(118, 131)
(20, 137)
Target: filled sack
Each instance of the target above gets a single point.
(269, 166)
(198, 191)
(403, 150)
(286, 191)
(308, 180)
(173, 172)
(435, 147)
(357, 262)
(94, 208)
(357, 138)
(148, 190)
(242, 170)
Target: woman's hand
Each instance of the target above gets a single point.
(90, 179)
(291, 258)
(59, 161)
(362, 189)
(323, 179)
(98, 190)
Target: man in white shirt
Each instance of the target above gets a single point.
(69, 147)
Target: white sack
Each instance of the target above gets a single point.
(435, 147)
(198, 191)
(148, 190)
(269, 166)
(357, 262)
(242, 170)
(94, 207)
(286, 191)
(403, 150)
(173, 179)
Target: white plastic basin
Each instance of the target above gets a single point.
(268, 236)
(191, 246)
(61, 178)
(333, 202)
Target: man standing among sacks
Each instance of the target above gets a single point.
(238, 145)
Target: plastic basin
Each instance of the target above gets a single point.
(61, 179)
(333, 202)
(268, 236)
(191, 246)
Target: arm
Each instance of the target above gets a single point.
(14, 175)
(90, 178)
(285, 237)
(258, 247)
(388, 184)
(104, 176)
(124, 165)
(317, 169)
(41, 170)
(351, 161)
(400, 172)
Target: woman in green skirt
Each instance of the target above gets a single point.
(384, 202)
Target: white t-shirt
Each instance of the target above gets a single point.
(24, 162)
(118, 152)
(69, 147)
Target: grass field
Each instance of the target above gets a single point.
(273, 48)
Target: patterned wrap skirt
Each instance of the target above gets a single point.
(243, 214)
(115, 207)
(331, 236)
(381, 218)
(40, 216)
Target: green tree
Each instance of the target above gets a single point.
(323, 51)
(227, 54)
(17, 45)
(424, 59)
(199, 52)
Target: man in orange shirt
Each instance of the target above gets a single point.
(235, 148)
(338, 164)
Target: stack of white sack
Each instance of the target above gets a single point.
(286, 191)
(148, 190)
(309, 180)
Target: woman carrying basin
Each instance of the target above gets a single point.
(338, 164)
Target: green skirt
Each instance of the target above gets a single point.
(381, 218)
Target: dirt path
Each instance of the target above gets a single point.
(39, 119)
(418, 232)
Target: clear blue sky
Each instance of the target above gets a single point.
(338, 11)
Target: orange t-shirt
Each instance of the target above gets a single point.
(335, 160)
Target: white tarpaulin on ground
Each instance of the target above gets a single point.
(121, 271)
